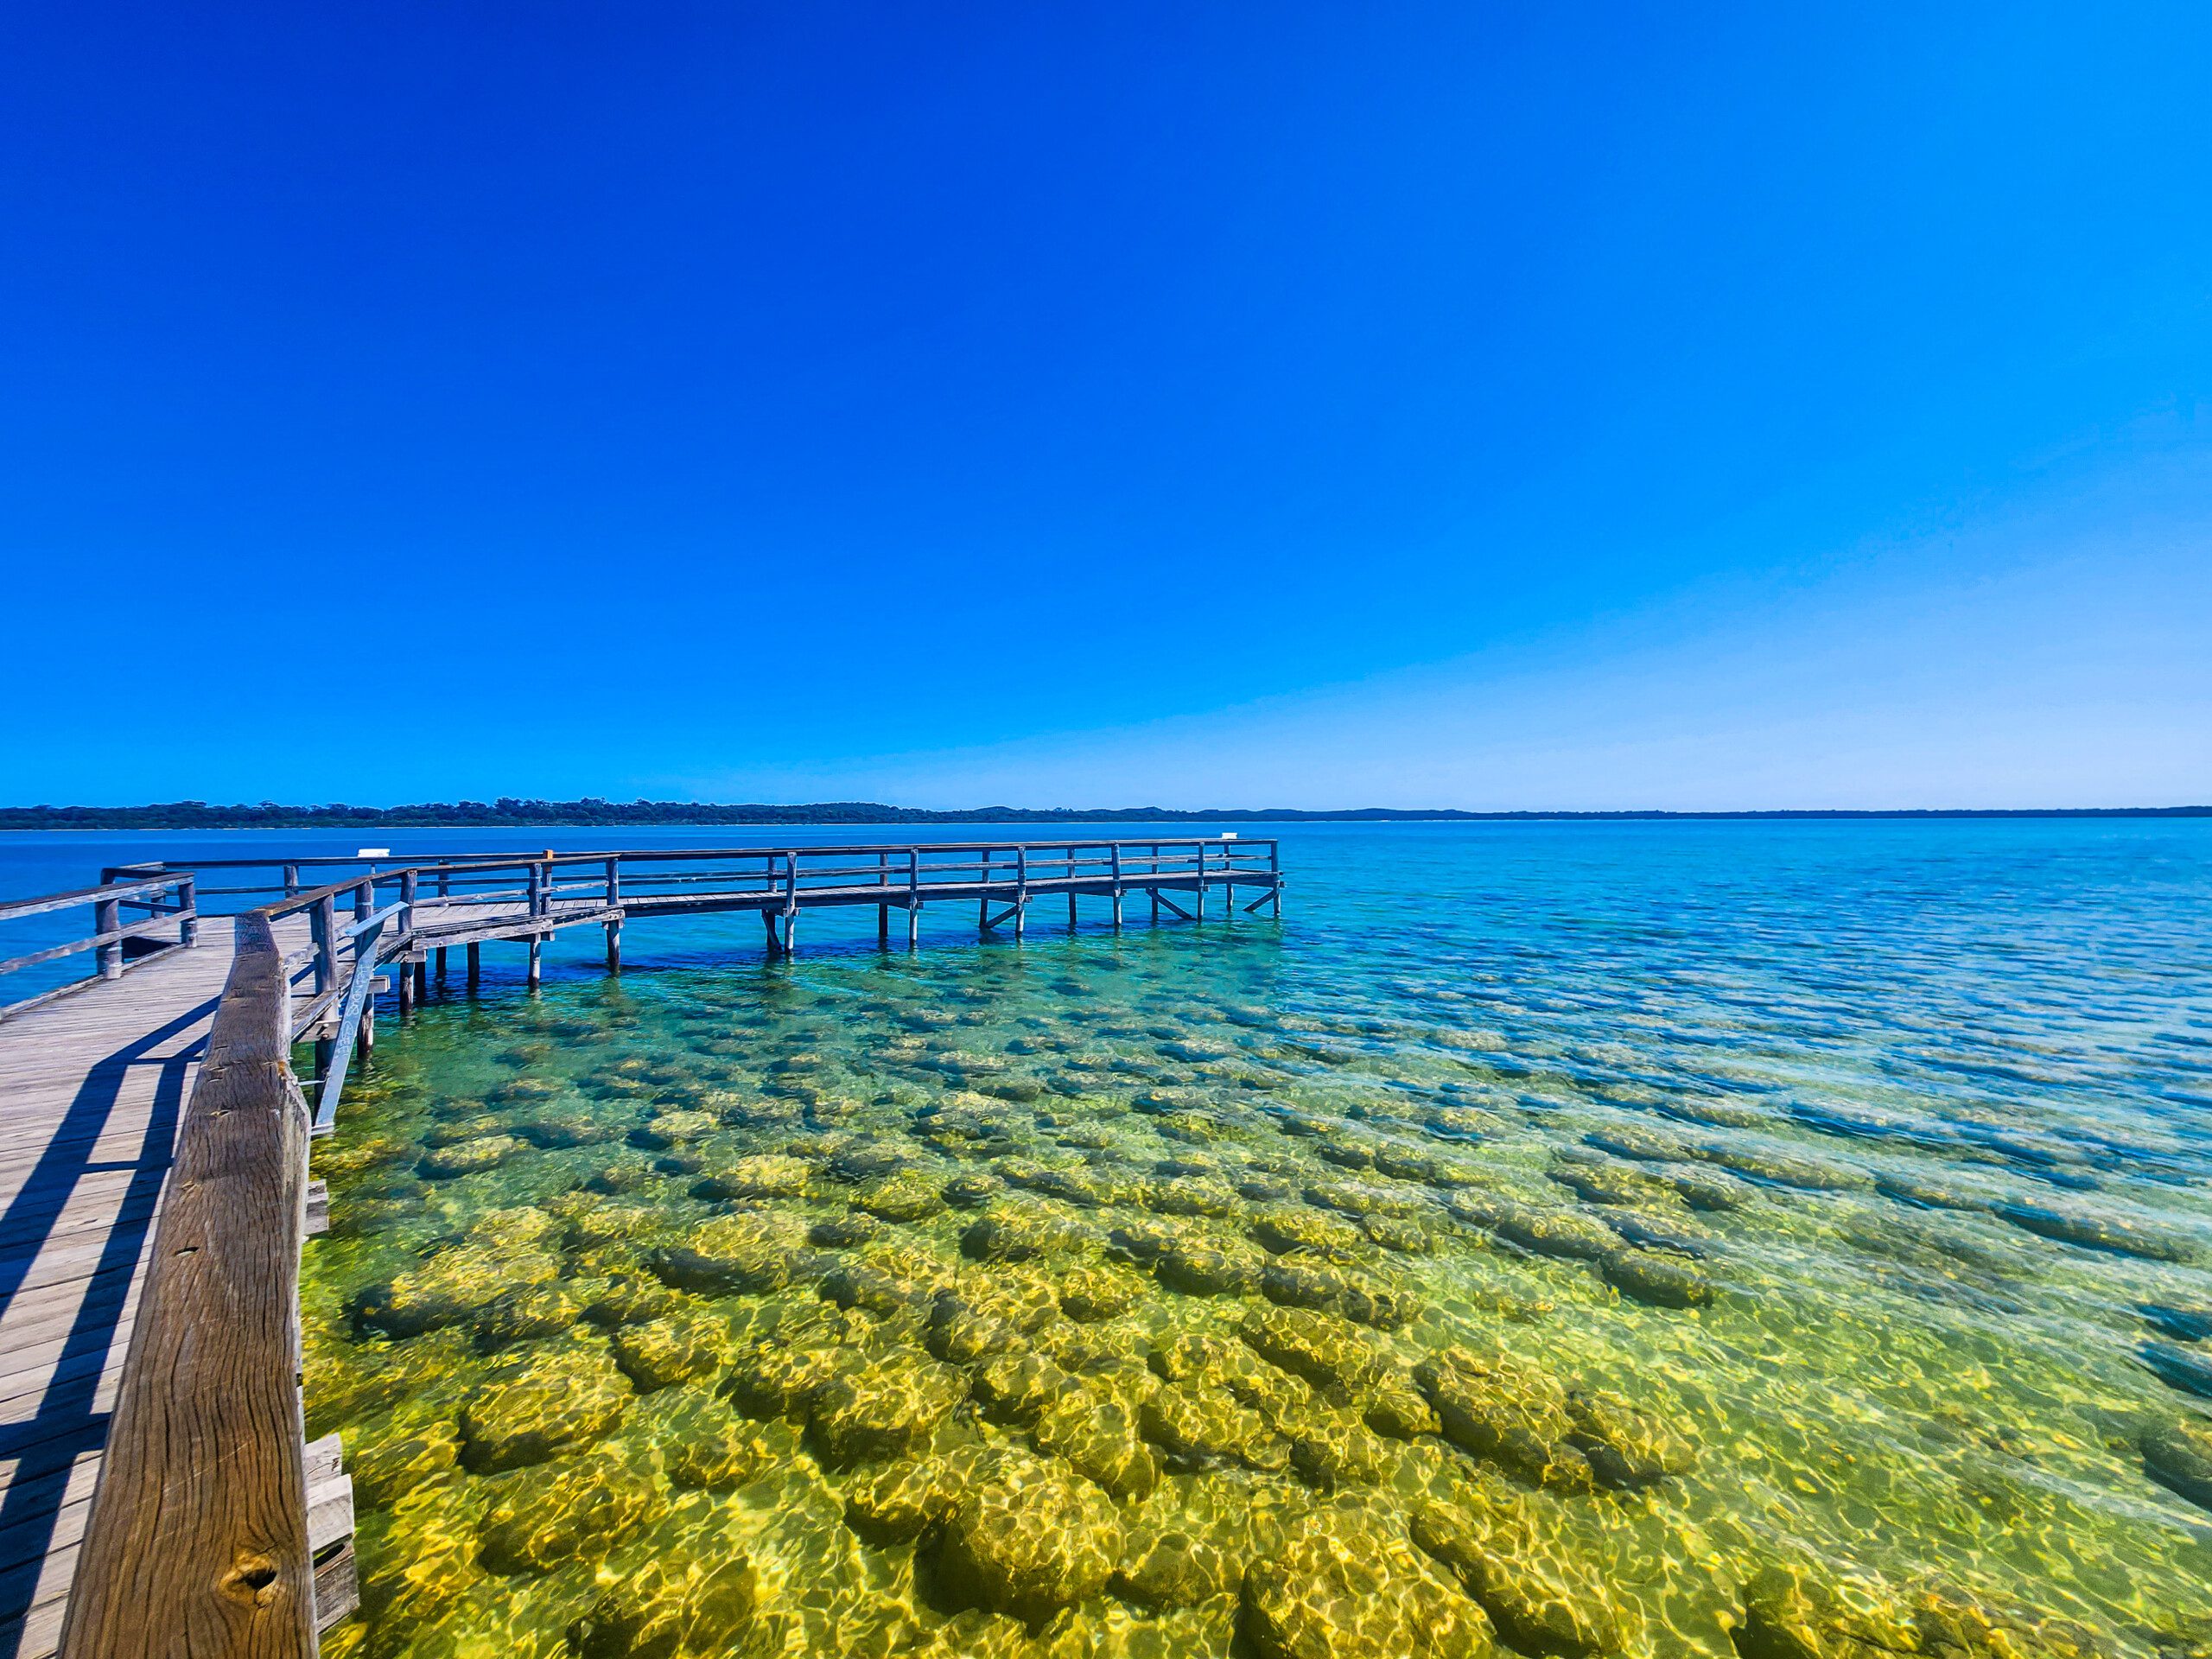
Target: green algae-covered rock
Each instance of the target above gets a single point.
(671, 1609)
(554, 1398)
(1348, 1584)
(907, 1196)
(626, 1299)
(751, 1251)
(1330, 1451)
(385, 1470)
(904, 1500)
(1409, 1236)
(667, 1129)
(971, 1191)
(1389, 1406)
(2179, 1456)
(450, 1286)
(1519, 1562)
(1016, 1387)
(468, 1157)
(1199, 1426)
(1189, 1195)
(1625, 1447)
(1661, 1281)
(1018, 1232)
(1202, 1267)
(765, 1175)
(1324, 1349)
(1780, 1169)
(888, 1409)
(1505, 1414)
(961, 1332)
(2120, 1235)
(1293, 1228)
(523, 1315)
(1099, 1292)
(581, 1508)
(1172, 1568)
(676, 1348)
(703, 1443)
(1098, 1436)
(1561, 1233)
(777, 1375)
(1790, 1612)
(1028, 1538)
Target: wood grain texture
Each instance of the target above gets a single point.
(197, 1540)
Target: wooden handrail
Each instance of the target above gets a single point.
(12, 909)
(197, 1543)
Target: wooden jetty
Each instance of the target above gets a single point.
(159, 1496)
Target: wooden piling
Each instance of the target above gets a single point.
(476, 964)
(537, 959)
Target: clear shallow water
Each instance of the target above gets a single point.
(1312, 1285)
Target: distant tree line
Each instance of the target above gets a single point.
(510, 812)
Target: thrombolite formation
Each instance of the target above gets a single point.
(1348, 1584)
(847, 1296)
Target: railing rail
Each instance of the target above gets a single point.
(170, 901)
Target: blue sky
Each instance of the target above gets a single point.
(1312, 405)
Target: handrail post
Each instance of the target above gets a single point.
(882, 912)
(1114, 854)
(914, 897)
(291, 881)
(615, 922)
(187, 902)
(1071, 852)
(107, 917)
(791, 899)
(1275, 871)
(1020, 887)
(536, 889)
(1198, 899)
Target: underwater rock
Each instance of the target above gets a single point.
(1409, 1236)
(777, 1375)
(669, 1609)
(1017, 1232)
(1516, 1560)
(903, 1501)
(556, 1131)
(667, 1129)
(2179, 1456)
(1028, 1538)
(660, 1353)
(1016, 1388)
(626, 1299)
(1393, 1408)
(972, 1190)
(1292, 1228)
(1361, 1199)
(1504, 1415)
(1646, 1146)
(2177, 1367)
(2182, 1324)
(1172, 1568)
(889, 1408)
(1327, 1350)
(384, 1471)
(765, 1175)
(1189, 1195)
(1926, 1194)
(1329, 1452)
(2117, 1234)
(1097, 1435)
(468, 1157)
(451, 1285)
(879, 1289)
(960, 1332)
(905, 1197)
(1561, 1233)
(1199, 1426)
(523, 1315)
(844, 1232)
(1599, 1180)
(582, 1508)
(1347, 1584)
(1091, 1294)
(1780, 1169)
(704, 1445)
(1788, 1613)
(750, 1251)
(1203, 1267)
(554, 1397)
(1626, 1447)
(1710, 1189)
(1661, 1281)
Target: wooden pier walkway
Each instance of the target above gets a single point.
(156, 1496)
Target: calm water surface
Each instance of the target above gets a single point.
(1672, 1240)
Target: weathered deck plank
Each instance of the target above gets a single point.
(91, 1090)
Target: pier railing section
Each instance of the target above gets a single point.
(132, 922)
(214, 1528)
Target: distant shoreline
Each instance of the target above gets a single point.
(509, 813)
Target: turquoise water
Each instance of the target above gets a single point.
(1666, 1239)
